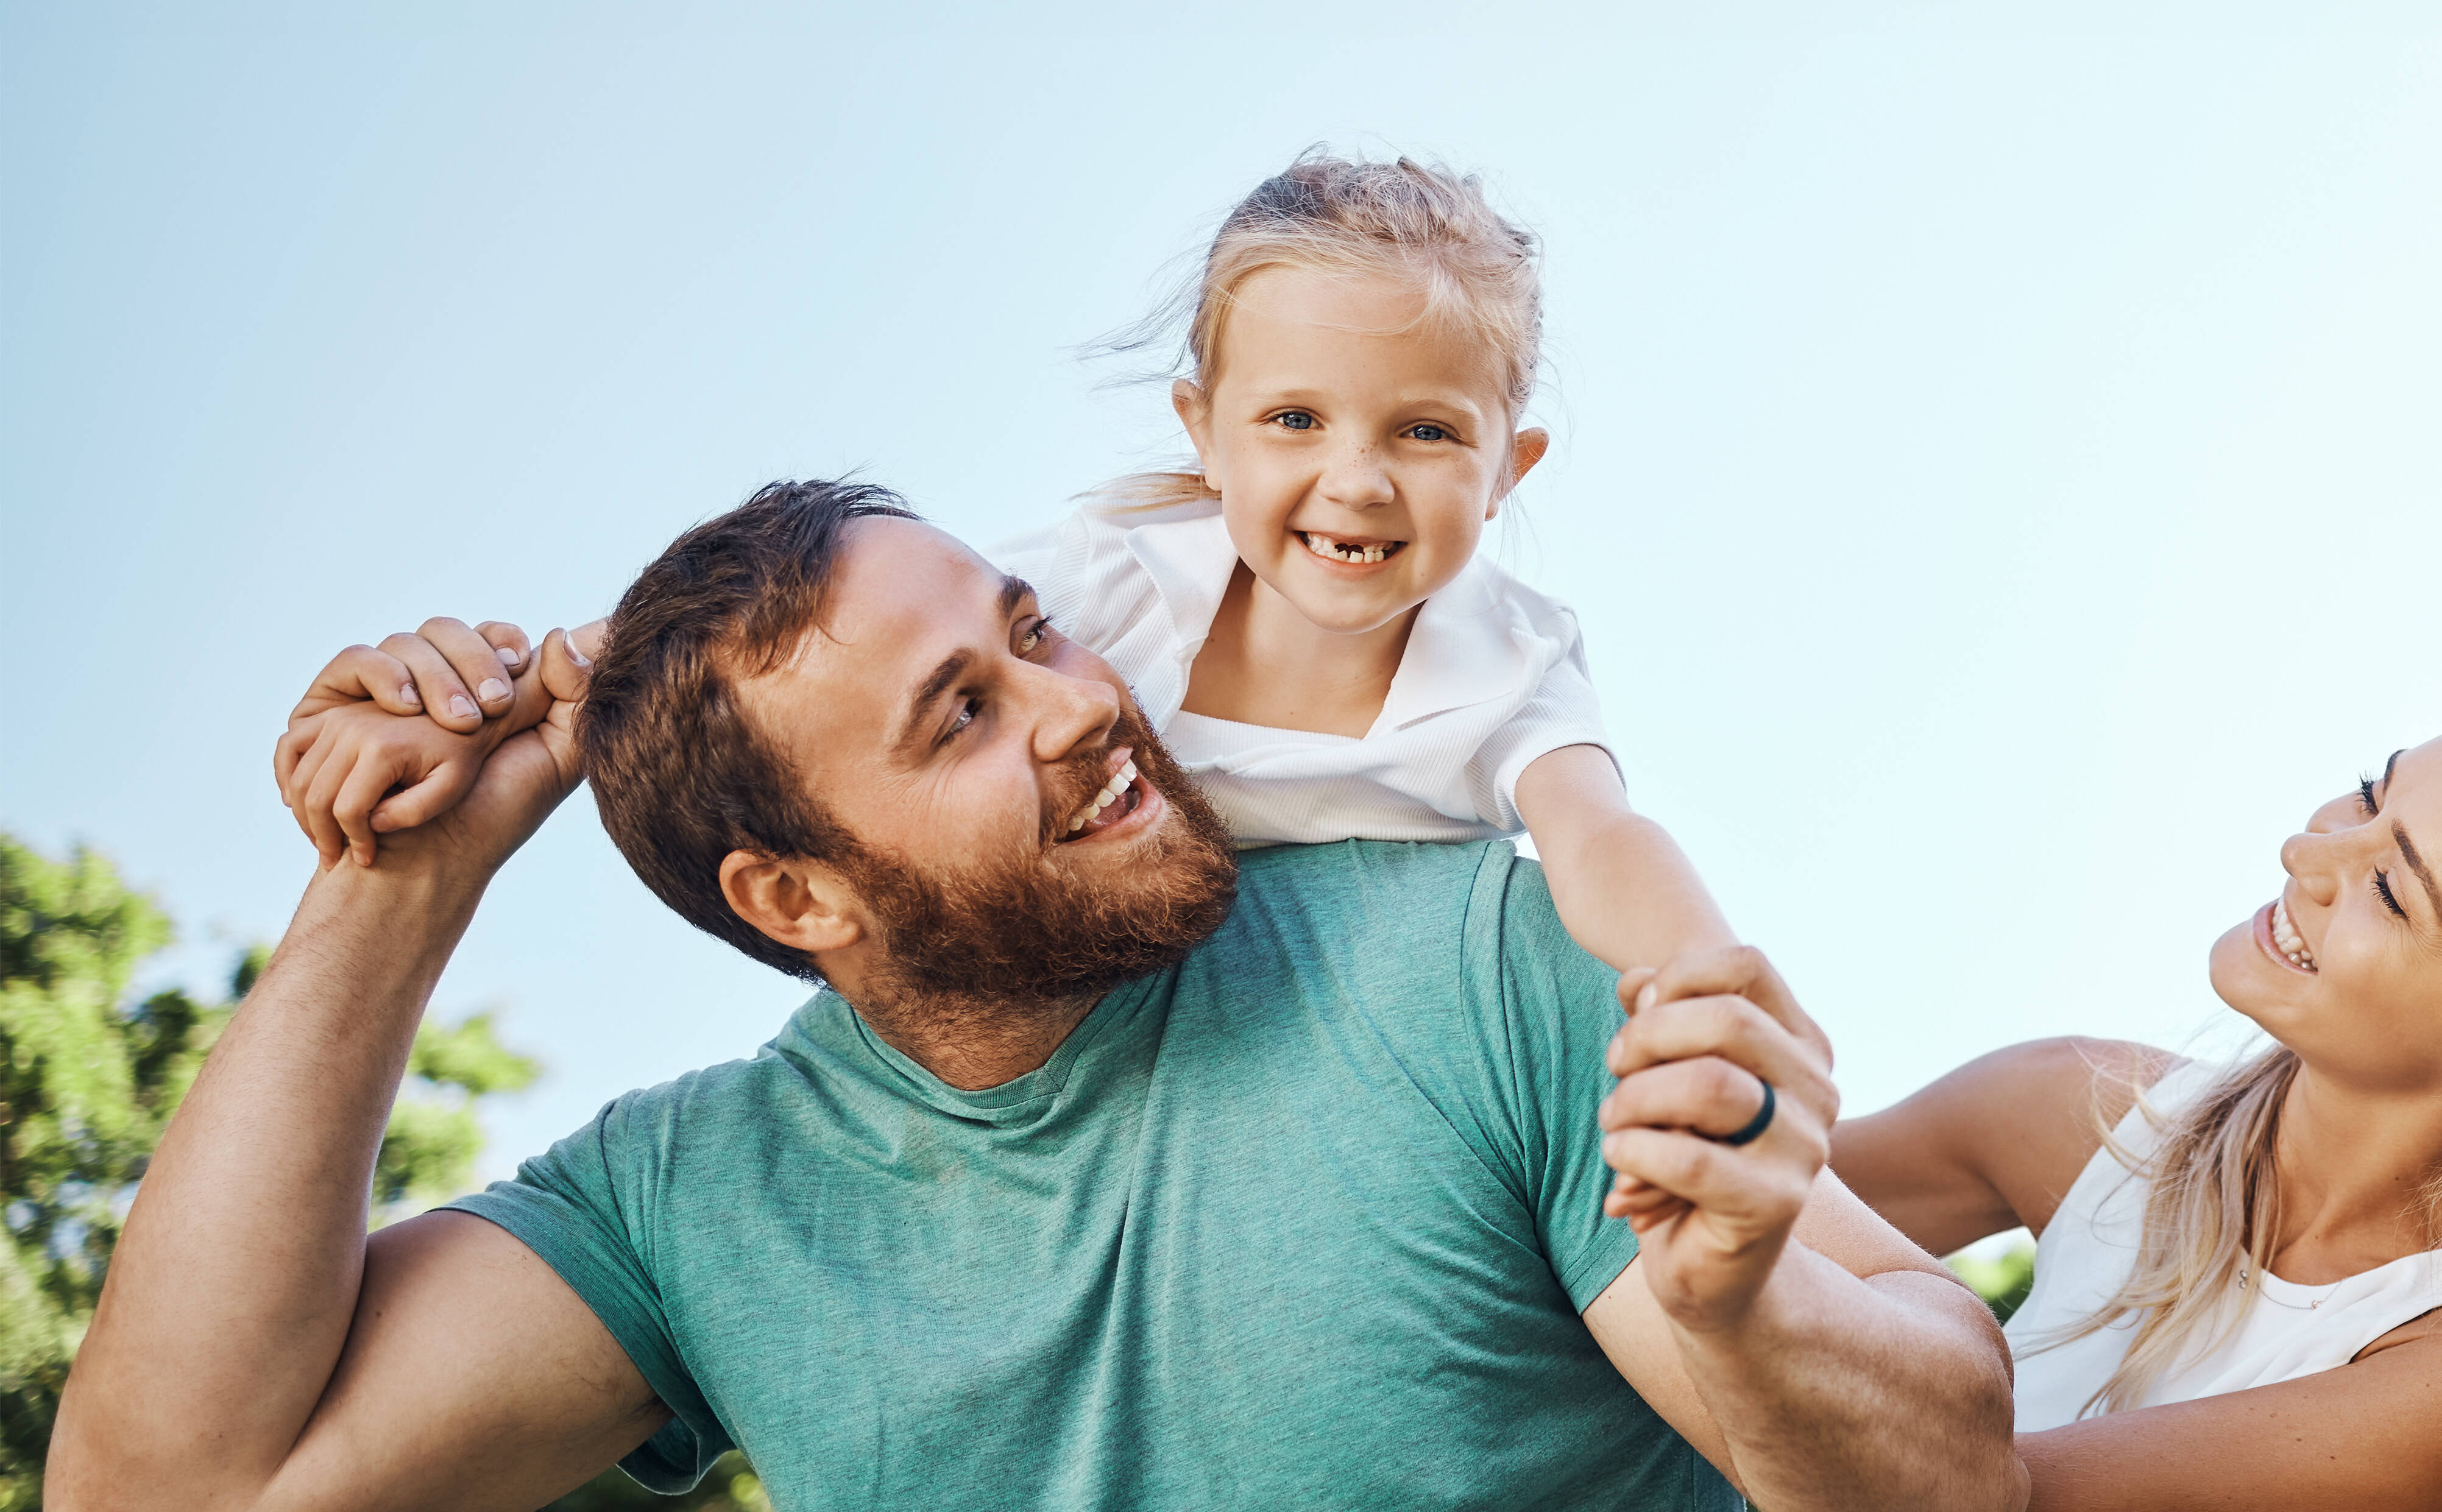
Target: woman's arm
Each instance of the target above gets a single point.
(1994, 1143)
(1624, 888)
(2361, 1436)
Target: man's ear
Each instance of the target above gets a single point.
(800, 904)
(1194, 410)
(1525, 451)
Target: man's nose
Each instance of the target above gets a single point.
(1071, 713)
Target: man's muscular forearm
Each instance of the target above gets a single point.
(234, 1286)
(1881, 1393)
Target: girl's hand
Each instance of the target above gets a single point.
(456, 675)
(360, 757)
(1704, 1035)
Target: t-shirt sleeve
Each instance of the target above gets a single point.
(1559, 1008)
(577, 1207)
(1562, 710)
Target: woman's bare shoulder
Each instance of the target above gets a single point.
(2045, 1106)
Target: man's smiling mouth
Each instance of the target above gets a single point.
(1115, 801)
(1337, 549)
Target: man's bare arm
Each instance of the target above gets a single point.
(251, 1349)
(1822, 1360)
(1867, 1376)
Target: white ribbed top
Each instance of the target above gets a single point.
(1493, 676)
(2089, 1250)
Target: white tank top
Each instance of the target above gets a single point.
(2286, 1330)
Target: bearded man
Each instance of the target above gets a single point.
(1105, 1169)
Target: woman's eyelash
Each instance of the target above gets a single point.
(2365, 796)
(2382, 890)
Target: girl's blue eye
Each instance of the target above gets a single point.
(1296, 420)
(1428, 432)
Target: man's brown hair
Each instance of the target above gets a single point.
(680, 773)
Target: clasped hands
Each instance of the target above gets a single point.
(1714, 1045)
(464, 737)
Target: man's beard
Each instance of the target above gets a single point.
(1024, 933)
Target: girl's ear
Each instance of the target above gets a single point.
(799, 903)
(1195, 410)
(1525, 452)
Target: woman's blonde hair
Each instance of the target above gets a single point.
(1417, 221)
(2212, 1216)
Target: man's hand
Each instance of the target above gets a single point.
(1704, 1036)
(358, 759)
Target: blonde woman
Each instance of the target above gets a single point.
(2237, 1284)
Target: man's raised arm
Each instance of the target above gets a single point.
(1816, 1357)
(252, 1348)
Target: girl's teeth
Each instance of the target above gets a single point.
(1324, 546)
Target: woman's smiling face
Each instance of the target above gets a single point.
(1358, 450)
(2345, 966)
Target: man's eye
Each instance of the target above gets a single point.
(1035, 635)
(968, 709)
(2366, 797)
(1294, 420)
(1428, 432)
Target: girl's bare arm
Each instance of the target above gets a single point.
(1623, 886)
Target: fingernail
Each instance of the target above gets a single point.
(407, 696)
(574, 654)
(1644, 997)
(491, 690)
(462, 706)
(508, 655)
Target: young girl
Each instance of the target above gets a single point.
(1305, 620)
(2239, 1295)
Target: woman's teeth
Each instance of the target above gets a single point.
(2285, 934)
(1112, 792)
(1346, 551)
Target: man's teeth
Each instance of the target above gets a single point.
(2285, 934)
(1342, 552)
(1112, 792)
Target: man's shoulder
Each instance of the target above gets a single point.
(1411, 884)
(1408, 909)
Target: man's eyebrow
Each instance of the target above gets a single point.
(2417, 864)
(953, 667)
(2388, 765)
(1013, 591)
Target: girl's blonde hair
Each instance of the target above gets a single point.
(1415, 222)
(2212, 1216)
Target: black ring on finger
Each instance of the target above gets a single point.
(1761, 1122)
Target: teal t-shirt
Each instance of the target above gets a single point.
(1305, 1221)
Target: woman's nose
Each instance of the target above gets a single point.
(2311, 857)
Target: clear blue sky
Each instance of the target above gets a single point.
(1996, 467)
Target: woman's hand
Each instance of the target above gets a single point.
(1704, 1036)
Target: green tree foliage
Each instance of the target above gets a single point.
(730, 1487)
(2003, 1280)
(87, 1084)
